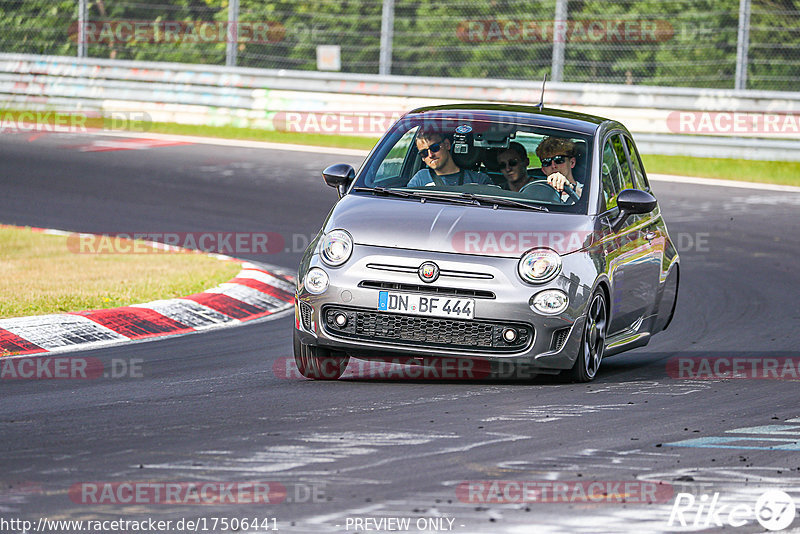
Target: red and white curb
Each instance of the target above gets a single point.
(257, 292)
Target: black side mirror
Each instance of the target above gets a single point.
(632, 202)
(340, 176)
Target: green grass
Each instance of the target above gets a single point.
(768, 172)
(254, 134)
(46, 274)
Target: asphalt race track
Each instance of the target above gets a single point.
(217, 407)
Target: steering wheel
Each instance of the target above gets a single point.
(539, 185)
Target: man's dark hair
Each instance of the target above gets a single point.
(429, 134)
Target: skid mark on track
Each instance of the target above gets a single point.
(392, 404)
(314, 449)
(684, 387)
(549, 413)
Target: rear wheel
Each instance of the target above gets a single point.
(318, 363)
(593, 340)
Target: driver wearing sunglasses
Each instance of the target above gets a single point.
(434, 150)
(558, 159)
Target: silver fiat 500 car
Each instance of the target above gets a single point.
(497, 234)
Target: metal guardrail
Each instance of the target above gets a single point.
(210, 94)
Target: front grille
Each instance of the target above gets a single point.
(418, 288)
(559, 338)
(443, 272)
(305, 315)
(418, 331)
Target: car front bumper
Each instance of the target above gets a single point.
(502, 300)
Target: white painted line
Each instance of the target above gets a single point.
(50, 231)
(721, 183)
(188, 312)
(767, 429)
(61, 330)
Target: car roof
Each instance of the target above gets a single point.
(521, 114)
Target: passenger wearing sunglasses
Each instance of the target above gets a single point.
(434, 150)
(514, 164)
(558, 159)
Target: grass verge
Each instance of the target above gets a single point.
(42, 275)
(745, 170)
(254, 134)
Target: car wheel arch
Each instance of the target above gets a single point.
(677, 268)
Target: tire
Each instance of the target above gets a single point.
(592, 340)
(318, 363)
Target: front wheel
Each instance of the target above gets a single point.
(318, 363)
(593, 340)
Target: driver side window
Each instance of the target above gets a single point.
(389, 174)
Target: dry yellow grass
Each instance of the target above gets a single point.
(41, 274)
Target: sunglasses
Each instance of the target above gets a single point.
(557, 159)
(433, 149)
(510, 163)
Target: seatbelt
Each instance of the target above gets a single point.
(439, 182)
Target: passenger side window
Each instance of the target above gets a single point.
(640, 179)
(610, 175)
(622, 158)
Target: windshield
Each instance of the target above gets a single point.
(497, 162)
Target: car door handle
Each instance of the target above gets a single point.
(650, 236)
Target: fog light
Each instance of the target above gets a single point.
(550, 302)
(316, 281)
(340, 320)
(509, 335)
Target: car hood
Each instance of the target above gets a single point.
(466, 229)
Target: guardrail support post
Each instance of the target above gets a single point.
(559, 41)
(232, 34)
(387, 35)
(82, 14)
(742, 45)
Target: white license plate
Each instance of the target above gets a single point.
(454, 308)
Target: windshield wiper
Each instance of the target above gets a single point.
(385, 191)
(459, 198)
(502, 201)
(422, 195)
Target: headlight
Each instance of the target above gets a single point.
(336, 247)
(316, 281)
(550, 302)
(539, 265)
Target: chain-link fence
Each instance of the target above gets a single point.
(753, 44)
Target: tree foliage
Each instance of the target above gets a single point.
(680, 42)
